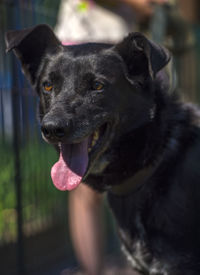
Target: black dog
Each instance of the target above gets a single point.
(108, 110)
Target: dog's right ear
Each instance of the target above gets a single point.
(31, 45)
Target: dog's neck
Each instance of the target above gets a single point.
(130, 159)
(134, 183)
(142, 148)
(152, 144)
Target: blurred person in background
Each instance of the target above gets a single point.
(101, 21)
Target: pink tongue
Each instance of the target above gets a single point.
(68, 172)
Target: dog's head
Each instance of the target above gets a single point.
(87, 92)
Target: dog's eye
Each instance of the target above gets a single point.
(48, 86)
(98, 86)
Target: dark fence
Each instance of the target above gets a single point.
(33, 214)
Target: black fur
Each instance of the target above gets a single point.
(144, 125)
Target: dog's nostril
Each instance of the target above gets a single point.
(59, 132)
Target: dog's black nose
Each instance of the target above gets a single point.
(53, 131)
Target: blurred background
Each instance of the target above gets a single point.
(34, 231)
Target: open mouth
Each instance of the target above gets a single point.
(76, 160)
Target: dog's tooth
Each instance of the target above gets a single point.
(94, 139)
(93, 142)
(96, 135)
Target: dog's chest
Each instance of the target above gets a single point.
(132, 233)
(138, 243)
(135, 247)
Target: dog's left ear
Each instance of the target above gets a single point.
(31, 45)
(141, 56)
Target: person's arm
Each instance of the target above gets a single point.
(86, 227)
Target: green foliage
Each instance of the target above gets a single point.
(41, 202)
